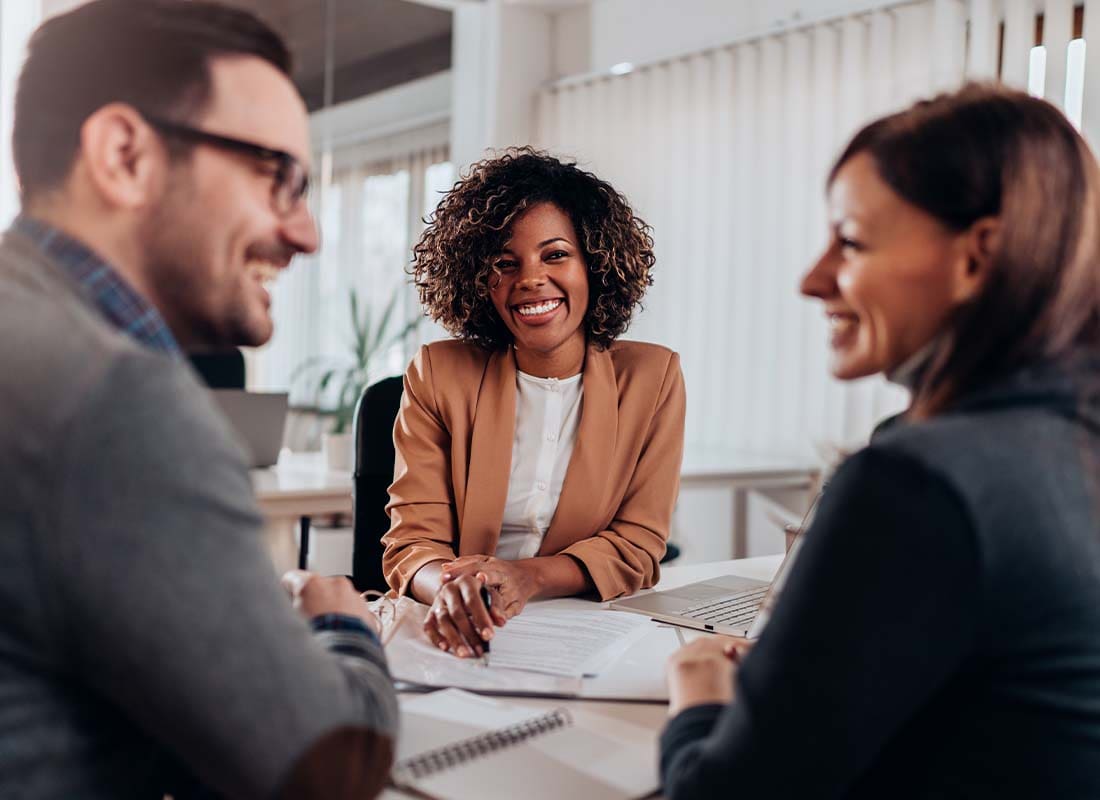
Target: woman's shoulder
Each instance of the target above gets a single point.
(645, 373)
(631, 357)
(449, 359)
(446, 368)
(648, 366)
(456, 350)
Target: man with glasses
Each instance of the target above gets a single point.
(146, 646)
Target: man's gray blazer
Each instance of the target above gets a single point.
(143, 631)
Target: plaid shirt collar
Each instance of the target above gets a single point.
(116, 300)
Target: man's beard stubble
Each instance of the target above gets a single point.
(174, 238)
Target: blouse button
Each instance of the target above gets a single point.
(551, 437)
(541, 486)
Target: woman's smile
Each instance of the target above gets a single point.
(539, 312)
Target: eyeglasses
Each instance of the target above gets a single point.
(291, 179)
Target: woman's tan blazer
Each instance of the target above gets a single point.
(454, 452)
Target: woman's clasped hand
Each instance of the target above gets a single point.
(458, 620)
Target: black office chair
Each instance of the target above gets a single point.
(375, 415)
(223, 369)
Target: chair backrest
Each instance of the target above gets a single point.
(375, 415)
(223, 369)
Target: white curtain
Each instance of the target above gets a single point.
(369, 218)
(725, 153)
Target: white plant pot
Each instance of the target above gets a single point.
(338, 451)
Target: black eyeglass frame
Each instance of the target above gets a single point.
(284, 196)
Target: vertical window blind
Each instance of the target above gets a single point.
(369, 217)
(725, 152)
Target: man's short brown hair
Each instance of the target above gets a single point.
(152, 54)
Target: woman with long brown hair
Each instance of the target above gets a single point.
(939, 633)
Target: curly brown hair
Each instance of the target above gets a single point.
(453, 261)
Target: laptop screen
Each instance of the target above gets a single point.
(258, 418)
(770, 599)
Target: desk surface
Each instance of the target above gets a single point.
(762, 568)
(302, 485)
(652, 716)
(723, 463)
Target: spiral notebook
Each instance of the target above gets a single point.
(458, 745)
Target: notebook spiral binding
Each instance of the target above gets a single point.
(484, 744)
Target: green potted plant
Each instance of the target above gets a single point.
(337, 384)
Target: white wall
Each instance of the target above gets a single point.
(394, 121)
(525, 63)
(501, 55)
(470, 102)
(18, 19)
(51, 8)
(572, 42)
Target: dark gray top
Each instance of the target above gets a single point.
(143, 633)
(939, 636)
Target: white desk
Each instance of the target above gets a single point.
(740, 473)
(289, 494)
(652, 716)
(762, 569)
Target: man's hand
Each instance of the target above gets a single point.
(314, 595)
(701, 672)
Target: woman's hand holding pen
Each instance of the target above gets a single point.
(458, 620)
(701, 672)
(511, 584)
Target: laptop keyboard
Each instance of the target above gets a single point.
(733, 610)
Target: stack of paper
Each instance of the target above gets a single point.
(559, 647)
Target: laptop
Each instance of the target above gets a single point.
(727, 604)
(258, 418)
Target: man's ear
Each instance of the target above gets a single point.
(122, 156)
(978, 248)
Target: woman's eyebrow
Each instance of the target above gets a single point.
(507, 250)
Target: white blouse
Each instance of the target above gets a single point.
(547, 413)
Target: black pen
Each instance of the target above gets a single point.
(487, 599)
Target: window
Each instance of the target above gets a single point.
(370, 216)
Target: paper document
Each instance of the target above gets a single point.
(567, 643)
(552, 648)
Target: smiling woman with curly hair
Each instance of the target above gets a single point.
(456, 259)
(537, 456)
